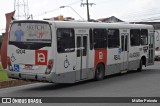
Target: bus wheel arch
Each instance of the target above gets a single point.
(100, 71)
(143, 58)
(141, 63)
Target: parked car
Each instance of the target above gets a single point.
(157, 54)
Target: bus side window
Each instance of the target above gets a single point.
(135, 37)
(100, 38)
(65, 40)
(113, 38)
(91, 39)
(144, 37)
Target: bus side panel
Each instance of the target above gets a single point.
(134, 57)
(65, 65)
(91, 69)
(113, 61)
(90, 60)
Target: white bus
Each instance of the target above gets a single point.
(69, 52)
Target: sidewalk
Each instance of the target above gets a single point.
(11, 83)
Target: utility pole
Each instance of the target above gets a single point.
(22, 9)
(88, 11)
(87, 4)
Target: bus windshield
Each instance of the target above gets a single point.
(24, 33)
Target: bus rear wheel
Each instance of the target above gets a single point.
(100, 72)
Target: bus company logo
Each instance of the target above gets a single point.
(100, 55)
(41, 57)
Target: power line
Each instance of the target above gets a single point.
(141, 13)
(135, 18)
(46, 12)
(151, 18)
(22, 9)
(138, 14)
(150, 13)
(73, 3)
(56, 9)
(129, 15)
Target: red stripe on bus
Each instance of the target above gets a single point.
(100, 56)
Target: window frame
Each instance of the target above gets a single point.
(73, 32)
(143, 37)
(118, 44)
(94, 38)
(136, 37)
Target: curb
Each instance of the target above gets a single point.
(11, 83)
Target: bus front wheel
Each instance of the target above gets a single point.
(100, 72)
(140, 66)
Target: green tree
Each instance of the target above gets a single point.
(1, 39)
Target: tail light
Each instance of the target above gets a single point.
(49, 66)
(8, 61)
(9, 64)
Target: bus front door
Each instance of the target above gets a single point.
(81, 67)
(124, 52)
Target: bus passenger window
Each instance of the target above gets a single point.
(135, 37)
(65, 40)
(144, 37)
(100, 38)
(113, 38)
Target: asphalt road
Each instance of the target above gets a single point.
(131, 84)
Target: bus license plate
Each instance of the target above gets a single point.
(28, 67)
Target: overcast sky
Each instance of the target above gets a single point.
(127, 10)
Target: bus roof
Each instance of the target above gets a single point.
(101, 25)
(71, 24)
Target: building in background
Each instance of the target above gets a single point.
(111, 19)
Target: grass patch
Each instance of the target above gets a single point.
(3, 75)
(0, 66)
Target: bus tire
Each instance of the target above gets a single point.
(140, 66)
(100, 72)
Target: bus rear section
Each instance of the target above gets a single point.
(30, 52)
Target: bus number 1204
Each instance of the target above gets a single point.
(20, 51)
